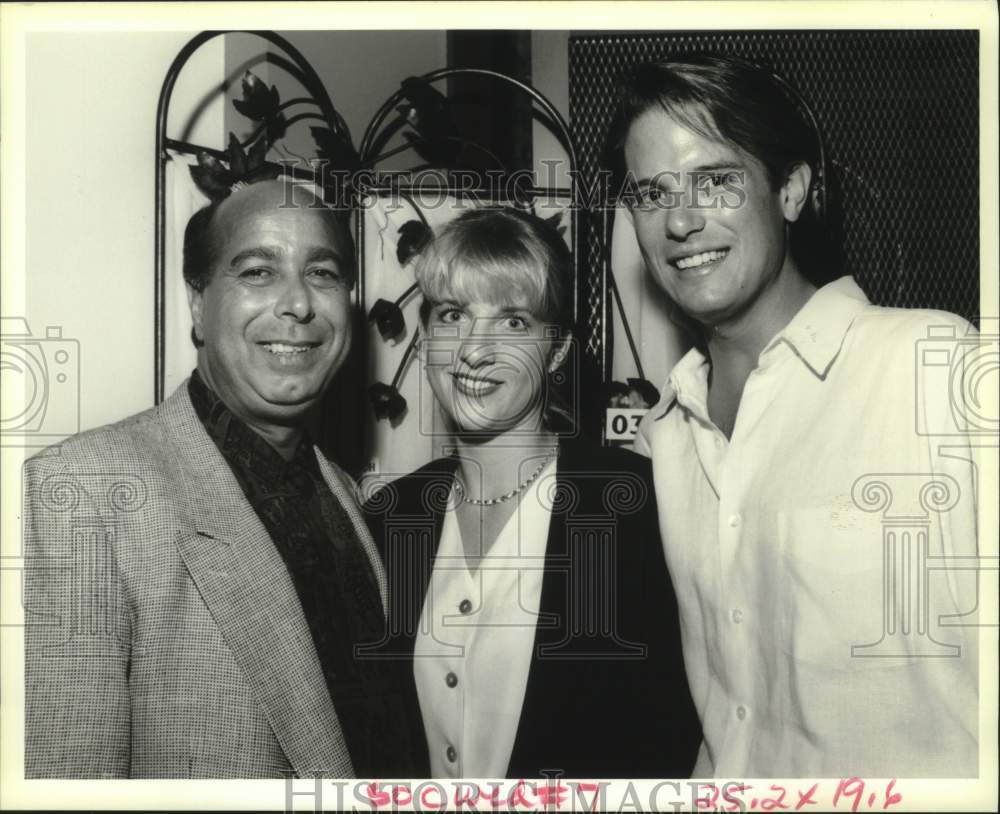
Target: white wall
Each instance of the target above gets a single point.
(91, 109)
(90, 175)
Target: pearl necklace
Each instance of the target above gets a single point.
(493, 501)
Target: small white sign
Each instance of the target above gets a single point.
(622, 423)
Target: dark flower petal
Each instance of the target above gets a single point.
(386, 401)
(256, 155)
(429, 113)
(414, 235)
(237, 158)
(259, 102)
(336, 149)
(645, 391)
(212, 177)
(388, 318)
(555, 221)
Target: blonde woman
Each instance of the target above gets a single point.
(530, 602)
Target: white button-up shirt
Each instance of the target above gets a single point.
(816, 553)
(477, 630)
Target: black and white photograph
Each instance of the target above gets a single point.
(510, 406)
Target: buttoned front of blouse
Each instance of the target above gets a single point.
(477, 630)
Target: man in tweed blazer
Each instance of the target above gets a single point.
(166, 630)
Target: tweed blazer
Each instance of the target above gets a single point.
(607, 694)
(164, 637)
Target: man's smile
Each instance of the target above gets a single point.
(696, 261)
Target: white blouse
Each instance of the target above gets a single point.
(474, 645)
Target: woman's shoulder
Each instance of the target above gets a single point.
(410, 492)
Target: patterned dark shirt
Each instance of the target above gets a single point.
(332, 577)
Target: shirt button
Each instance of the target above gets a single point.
(718, 441)
(451, 680)
(741, 712)
(451, 754)
(465, 606)
(737, 615)
(734, 520)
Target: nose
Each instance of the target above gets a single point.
(683, 220)
(295, 300)
(479, 344)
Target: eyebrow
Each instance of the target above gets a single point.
(321, 253)
(315, 255)
(714, 166)
(505, 311)
(256, 253)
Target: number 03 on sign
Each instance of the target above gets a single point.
(622, 423)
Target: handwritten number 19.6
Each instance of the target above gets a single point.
(855, 787)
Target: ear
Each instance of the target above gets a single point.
(560, 350)
(196, 304)
(795, 192)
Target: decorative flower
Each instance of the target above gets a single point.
(217, 180)
(336, 149)
(636, 394)
(414, 235)
(386, 401)
(427, 111)
(388, 318)
(262, 104)
(555, 221)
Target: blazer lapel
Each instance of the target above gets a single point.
(247, 588)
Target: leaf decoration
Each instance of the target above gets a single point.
(413, 237)
(386, 401)
(217, 180)
(388, 318)
(212, 177)
(427, 111)
(555, 221)
(259, 102)
(336, 149)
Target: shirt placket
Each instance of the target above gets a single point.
(736, 525)
(460, 599)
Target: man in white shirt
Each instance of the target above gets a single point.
(813, 469)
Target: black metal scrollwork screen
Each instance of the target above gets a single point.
(899, 114)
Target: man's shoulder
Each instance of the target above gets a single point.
(123, 443)
(906, 326)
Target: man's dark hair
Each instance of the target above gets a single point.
(201, 244)
(732, 100)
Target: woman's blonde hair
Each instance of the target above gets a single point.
(499, 255)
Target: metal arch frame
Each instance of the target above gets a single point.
(312, 84)
(566, 138)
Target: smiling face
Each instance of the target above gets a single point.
(716, 252)
(275, 314)
(487, 365)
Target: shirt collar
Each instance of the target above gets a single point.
(243, 448)
(815, 335)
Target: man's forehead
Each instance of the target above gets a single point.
(267, 197)
(267, 210)
(664, 144)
